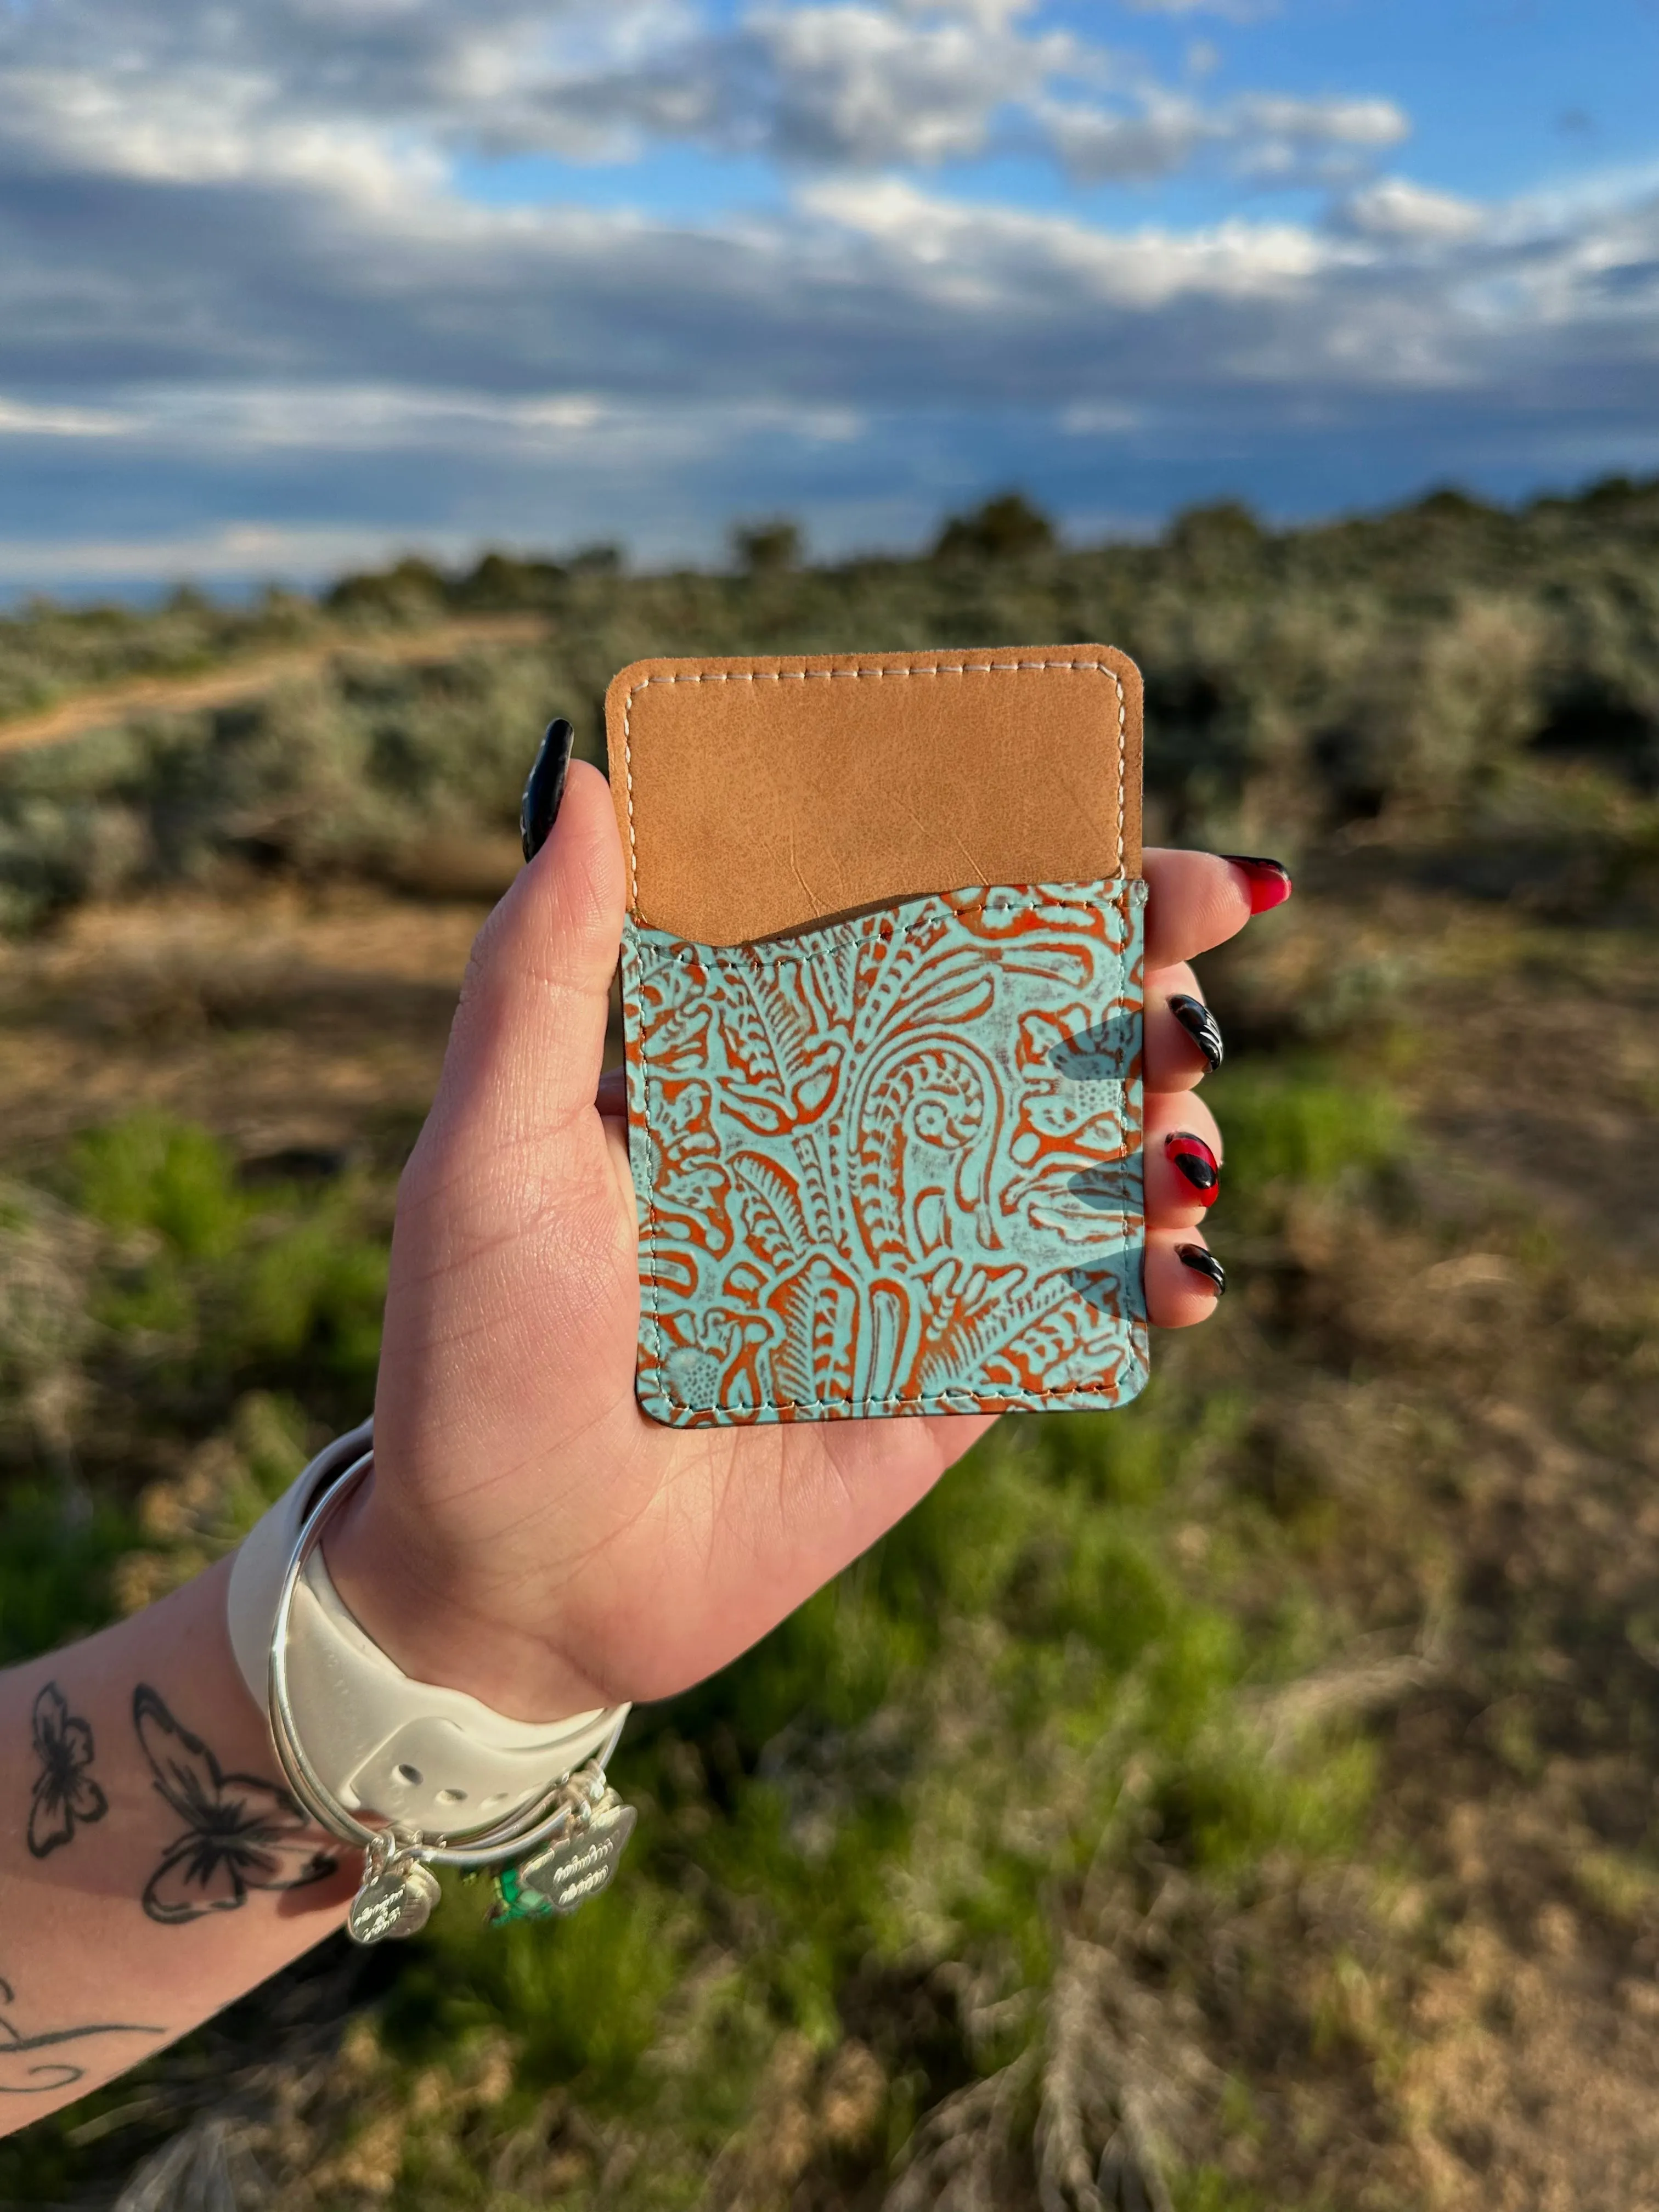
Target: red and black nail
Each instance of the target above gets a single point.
(1203, 1262)
(1269, 880)
(1194, 1159)
(1200, 1025)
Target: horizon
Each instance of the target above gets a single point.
(17, 601)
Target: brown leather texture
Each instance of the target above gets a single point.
(755, 796)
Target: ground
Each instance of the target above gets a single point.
(1244, 1801)
(1466, 2010)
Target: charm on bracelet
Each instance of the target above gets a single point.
(563, 1874)
(396, 1893)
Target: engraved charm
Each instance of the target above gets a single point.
(394, 1899)
(566, 1874)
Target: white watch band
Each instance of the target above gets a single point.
(415, 1753)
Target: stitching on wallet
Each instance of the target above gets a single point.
(970, 1400)
(830, 675)
(1011, 1401)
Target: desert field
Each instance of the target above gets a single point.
(1245, 1800)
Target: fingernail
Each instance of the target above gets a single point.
(1269, 880)
(538, 810)
(1205, 1263)
(1194, 1159)
(1199, 1024)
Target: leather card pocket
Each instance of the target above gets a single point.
(892, 1163)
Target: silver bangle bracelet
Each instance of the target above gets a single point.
(398, 1890)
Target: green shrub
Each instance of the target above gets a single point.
(1300, 1128)
(57, 1546)
(217, 1285)
(152, 1172)
(1449, 669)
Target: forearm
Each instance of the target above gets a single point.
(152, 1866)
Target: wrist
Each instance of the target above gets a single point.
(408, 1603)
(414, 1772)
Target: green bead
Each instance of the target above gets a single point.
(514, 1902)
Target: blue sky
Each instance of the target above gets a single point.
(291, 286)
(1502, 97)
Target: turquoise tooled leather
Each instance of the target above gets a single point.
(892, 1164)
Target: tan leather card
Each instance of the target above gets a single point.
(882, 978)
(755, 796)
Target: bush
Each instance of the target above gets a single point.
(1446, 672)
(1006, 528)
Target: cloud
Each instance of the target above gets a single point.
(1099, 419)
(1094, 143)
(23, 418)
(1262, 137)
(1281, 138)
(318, 417)
(858, 84)
(1395, 208)
(1368, 122)
(983, 14)
(238, 550)
(293, 314)
(1232, 11)
(1058, 267)
(373, 98)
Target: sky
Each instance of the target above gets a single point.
(291, 286)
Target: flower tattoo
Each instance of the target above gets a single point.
(24, 2073)
(240, 1833)
(65, 1793)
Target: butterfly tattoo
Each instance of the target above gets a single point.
(65, 1793)
(24, 2073)
(240, 1833)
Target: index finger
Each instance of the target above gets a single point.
(1196, 900)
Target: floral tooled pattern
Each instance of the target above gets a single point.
(892, 1164)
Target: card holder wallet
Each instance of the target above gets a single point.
(882, 973)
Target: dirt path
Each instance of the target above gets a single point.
(246, 680)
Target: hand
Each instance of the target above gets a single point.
(529, 1535)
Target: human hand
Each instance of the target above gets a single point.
(529, 1535)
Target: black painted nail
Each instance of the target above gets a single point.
(1203, 1262)
(1269, 880)
(1199, 1024)
(538, 810)
(1192, 1158)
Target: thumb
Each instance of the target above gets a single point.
(528, 1038)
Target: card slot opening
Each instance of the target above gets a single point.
(820, 939)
